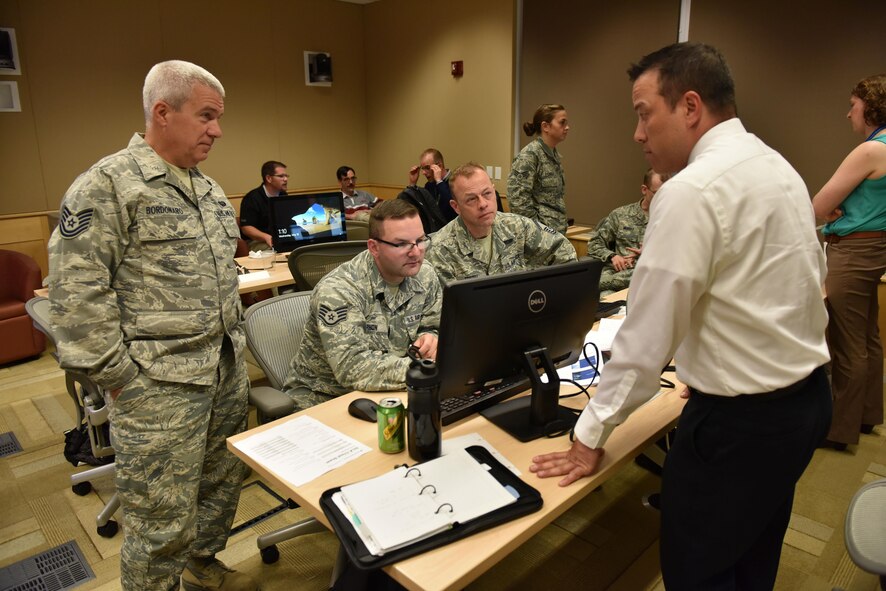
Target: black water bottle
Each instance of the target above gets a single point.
(424, 432)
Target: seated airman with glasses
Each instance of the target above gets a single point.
(367, 313)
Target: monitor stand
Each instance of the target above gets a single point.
(530, 417)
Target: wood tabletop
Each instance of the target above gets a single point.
(455, 565)
(279, 275)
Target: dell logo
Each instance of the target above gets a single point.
(537, 301)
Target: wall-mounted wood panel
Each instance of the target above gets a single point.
(28, 235)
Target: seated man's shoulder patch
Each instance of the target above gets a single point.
(331, 316)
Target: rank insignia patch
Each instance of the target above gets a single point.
(331, 317)
(72, 224)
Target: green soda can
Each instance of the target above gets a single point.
(391, 425)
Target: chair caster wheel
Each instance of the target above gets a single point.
(108, 530)
(81, 489)
(270, 555)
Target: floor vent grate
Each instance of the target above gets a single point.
(9, 444)
(57, 569)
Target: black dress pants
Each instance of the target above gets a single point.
(728, 484)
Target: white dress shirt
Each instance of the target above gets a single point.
(729, 283)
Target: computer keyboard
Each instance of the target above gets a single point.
(605, 309)
(458, 407)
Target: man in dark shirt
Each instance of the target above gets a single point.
(431, 165)
(255, 210)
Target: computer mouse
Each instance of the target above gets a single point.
(363, 408)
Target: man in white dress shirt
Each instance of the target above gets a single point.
(730, 286)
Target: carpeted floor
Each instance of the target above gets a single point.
(607, 541)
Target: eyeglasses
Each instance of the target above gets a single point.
(281, 176)
(350, 179)
(421, 244)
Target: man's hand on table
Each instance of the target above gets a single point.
(579, 461)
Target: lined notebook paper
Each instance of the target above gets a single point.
(406, 505)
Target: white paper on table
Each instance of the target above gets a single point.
(583, 372)
(605, 333)
(253, 276)
(450, 445)
(302, 449)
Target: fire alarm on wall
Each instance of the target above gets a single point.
(458, 69)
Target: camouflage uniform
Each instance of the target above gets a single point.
(625, 227)
(359, 330)
(537, 186)
(143, 295)
(518, 243)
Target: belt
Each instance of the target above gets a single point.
(834, 238)
(773, 395)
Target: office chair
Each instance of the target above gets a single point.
(91, 408)
(865, 529)
(308, 264)
(274, 331)
(357, 229)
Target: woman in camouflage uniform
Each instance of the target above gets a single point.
(536, 184)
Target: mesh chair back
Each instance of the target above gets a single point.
(357, 229)
(865, 528)
(38, 309)
(309, 264)
(87, 395)
(274, 330)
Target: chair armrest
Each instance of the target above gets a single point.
(270, 403)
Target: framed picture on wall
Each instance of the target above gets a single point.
(9, 102)
(318, 68)
(9, 61)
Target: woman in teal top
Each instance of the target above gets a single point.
(853, 203)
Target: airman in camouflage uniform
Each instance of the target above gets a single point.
(536, 184)
(366, 313)
(144, 300)
(481, 241)
(618, 238)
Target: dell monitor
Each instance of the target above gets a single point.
(522, 323)
(299, 220)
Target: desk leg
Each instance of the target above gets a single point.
(347, 577)
(341, 560)
(655, 454)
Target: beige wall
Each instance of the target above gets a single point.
(84, 64)
(580, 63)
(413, 101)
(793, 69)
(794, 66)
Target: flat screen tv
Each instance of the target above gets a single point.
(299, 220)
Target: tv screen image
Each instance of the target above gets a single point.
(299, 220)
(523, 323)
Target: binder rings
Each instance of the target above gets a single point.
(527, 500)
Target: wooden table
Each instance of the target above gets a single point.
(279, 275)
(457, 564)
(579, 236)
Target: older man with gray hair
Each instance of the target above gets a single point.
(144, 299)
